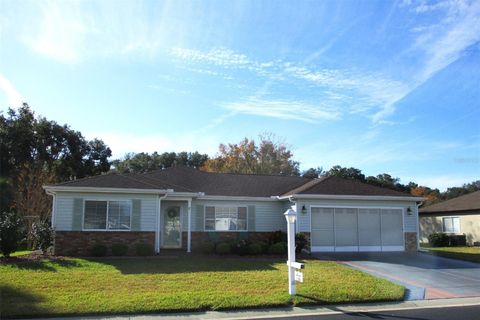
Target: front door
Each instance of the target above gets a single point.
(172, 228)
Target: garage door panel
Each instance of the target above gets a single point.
(346, 234)
(322, 218)
(323, 238)
(362, 229)
(391, 229)
(369, 238)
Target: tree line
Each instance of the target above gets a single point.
(35, 151)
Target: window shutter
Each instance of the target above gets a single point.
(251, 218)
(77, 214)
(200, 218)
(136, 214)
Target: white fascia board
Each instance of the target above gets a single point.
(237, 198)
(349, 197)
(54, 189)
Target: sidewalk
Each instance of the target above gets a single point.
(295, 311)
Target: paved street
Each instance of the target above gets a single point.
(448, 313)
(425, 276)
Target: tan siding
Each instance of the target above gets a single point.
(469, 225)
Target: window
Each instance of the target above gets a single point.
(451, 224)
(226, 218)
(107, 215)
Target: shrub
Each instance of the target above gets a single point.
(438, 240)
(99, 250)
(278, 248)
(208, 247)
(301, 242)
(144, 249)
(119, 249)
(10, 232)
(222, 248)
(43, 235)
(240, 247)
(276, 237)
(458, 240)
(255, 249)
(265, 247)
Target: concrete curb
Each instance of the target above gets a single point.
(295, 311)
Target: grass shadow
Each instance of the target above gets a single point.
(49, 265)
(15, 303)
(187, 264)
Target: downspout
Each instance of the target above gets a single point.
(157, 233)
(189, 233)
(418, 204)
(53, 194)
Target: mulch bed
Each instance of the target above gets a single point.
(33, 256)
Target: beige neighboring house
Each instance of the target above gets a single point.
(460, 215)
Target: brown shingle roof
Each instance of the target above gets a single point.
(183, 179)
(339, 186)
(466, 202)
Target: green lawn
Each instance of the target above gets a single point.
(145, 285)
(18, 253)
(462, 253)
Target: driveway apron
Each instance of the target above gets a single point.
(424, 276)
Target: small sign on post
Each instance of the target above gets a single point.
(298, 276)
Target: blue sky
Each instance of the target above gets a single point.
(384, 86)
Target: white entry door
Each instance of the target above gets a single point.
(356, 229)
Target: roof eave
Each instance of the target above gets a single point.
(54, 189)
(349, 197)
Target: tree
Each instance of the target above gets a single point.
(313, 173)
(144, 162)
(36, 151)
(10, 232)
(346, 173)
(268, 157)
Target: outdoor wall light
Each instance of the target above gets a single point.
(409, 211)
(304, 209)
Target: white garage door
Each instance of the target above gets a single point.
(351, 229)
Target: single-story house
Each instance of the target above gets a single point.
(459, 215)
(182, 208)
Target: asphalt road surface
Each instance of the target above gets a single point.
(444, 313)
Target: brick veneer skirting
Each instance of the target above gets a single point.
(80, 243)
(410, 241)
(199, 238)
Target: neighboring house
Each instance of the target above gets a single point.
(459, 215)
(182, 208)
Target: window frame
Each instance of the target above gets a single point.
(451, 217)
(106, 221)
(224, 206)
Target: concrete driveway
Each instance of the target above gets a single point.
(425, 276)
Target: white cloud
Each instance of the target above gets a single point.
(283, 109)
(448, 48)
(218, 56)
(13, 97)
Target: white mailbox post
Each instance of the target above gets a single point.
(293, 275)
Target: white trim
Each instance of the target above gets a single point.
(106, 190)
(356, 248)
(106, 222)
(349, 197)
(443, 224)
(54, 200)
(181, 227)
(323, 249)
(392, 248)
(189, 231)
(223, 206)
(237, 198)
(369, 248)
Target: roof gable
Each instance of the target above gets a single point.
(466, 202)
